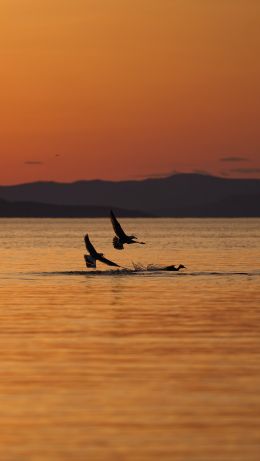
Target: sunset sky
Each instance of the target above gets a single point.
(126, 89)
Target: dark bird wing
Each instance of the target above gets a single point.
(96, 255)
(117, 227)
(107, 261)
(90, 247)
(117, 243)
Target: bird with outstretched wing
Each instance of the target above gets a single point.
(95, 256)
(120, 239)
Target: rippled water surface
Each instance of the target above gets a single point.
(124, 364)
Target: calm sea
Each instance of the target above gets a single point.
(130, 365)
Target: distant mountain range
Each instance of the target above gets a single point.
(180, 195)
(46, 210)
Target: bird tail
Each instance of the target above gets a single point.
(117, 243)
(90, 262)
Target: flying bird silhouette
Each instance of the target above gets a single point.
(120, 239)
(93, 256)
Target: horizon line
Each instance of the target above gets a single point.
(144, 178)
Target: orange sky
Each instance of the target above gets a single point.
(121, 89)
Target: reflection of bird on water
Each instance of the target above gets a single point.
(94, 256)
(173, 268)
(120, 239)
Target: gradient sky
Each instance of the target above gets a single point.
(119, 89)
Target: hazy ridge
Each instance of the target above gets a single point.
(178, 195)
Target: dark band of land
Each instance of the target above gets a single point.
(180, 195)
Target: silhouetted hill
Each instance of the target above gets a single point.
(230, 207)
(178, 195)
(43, 210)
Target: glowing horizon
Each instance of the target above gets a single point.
(123, 90)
